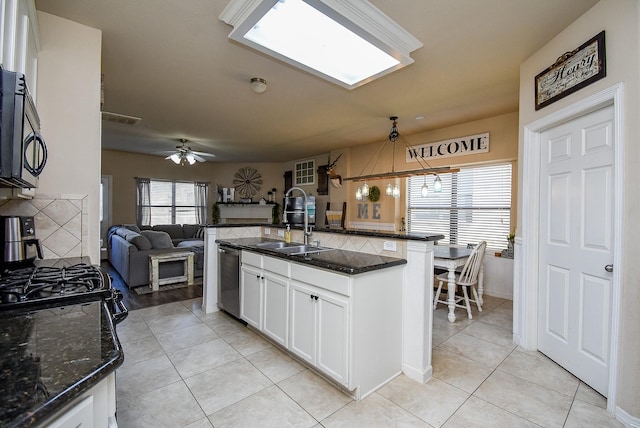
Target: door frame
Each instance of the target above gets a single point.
(525, 318)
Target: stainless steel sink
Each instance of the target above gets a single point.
(273, 245)
(302, 249)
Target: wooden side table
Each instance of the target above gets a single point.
(154, 269)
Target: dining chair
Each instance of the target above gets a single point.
(467, 279)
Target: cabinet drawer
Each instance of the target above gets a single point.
(252, 259)
(278, 266)
(321, 278)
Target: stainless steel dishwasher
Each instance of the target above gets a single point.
(229, 280)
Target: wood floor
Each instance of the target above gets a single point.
(133, 300)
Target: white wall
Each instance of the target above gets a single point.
(619, 19)
(69, 107)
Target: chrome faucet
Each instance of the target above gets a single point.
(307, 229)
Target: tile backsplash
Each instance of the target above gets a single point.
(60, 221)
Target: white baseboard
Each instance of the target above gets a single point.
(628, 420)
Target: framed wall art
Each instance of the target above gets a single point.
(571, 72)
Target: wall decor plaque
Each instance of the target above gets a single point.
(571, 72)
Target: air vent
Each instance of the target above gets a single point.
(120, 118)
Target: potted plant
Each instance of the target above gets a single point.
(511, 238)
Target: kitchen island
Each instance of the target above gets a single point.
(57, 361)
(414, 286)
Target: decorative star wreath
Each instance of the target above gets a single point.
(247, 182)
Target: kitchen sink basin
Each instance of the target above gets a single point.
(273, 245)
(302, 249)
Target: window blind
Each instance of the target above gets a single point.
(474, 205)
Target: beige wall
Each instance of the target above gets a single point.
(69, 108)
(503, 147)
(124, 167)
(619, 18)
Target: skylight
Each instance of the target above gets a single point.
(321, 37)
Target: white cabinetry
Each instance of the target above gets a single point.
(264, 295)
(347, 326)
(320, 329)
(19, 39)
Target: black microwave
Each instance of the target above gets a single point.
(23, 153)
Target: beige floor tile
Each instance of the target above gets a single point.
(267, 408)
(475, 349)
(374, 411)
(477, 413)
(186, 337)
(134, 379)
(202, 423)
(153, 312)
(491, 333)
(537, 368)
(194, 305)
(222, 386)
(314, 394)
(458, 371)
(201, 358)
(501, 319)
(489, 303)
(247, 343)
(533, 402)
(142, 349)
(275, 364)
(172, 322)
(128, 331)
(434, 402)
(224, 326)
(588, 395)
(171, 406)
(587, 415)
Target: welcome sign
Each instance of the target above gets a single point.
(455, 147)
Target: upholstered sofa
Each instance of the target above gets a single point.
(129, 249)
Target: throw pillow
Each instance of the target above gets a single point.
(133, 227)
(199, 234)
(158, 239)
(139, 241)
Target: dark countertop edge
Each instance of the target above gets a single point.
(58, 402)
(360, 232)
(318, 263)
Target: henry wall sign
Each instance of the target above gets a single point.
(455, 147)
(572, 71)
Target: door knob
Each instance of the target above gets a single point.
(608, 268)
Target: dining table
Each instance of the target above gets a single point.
(451, 258)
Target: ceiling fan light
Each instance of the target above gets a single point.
(175, 158)
(190, 158)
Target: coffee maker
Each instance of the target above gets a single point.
(19, 243)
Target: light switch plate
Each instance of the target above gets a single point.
(267, 231)
(389, 246)
(280, 233)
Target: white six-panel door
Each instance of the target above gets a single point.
(576, 245)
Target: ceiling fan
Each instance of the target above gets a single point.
(185, 156)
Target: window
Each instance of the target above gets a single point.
(474, 205)
(304, 172)
(171, 202)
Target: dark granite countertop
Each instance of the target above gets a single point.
(360, 232)
(50, 355)
(348, 262)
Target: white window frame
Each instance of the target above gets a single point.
(453, 211)
(304, 172)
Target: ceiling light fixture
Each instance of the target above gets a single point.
(394, 190)
(347, 43)
(185, 156)
(258, 85)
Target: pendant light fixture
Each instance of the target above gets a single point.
(424, 191)
(437, 184)
(393, 190)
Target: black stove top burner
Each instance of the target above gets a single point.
(44, 282)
